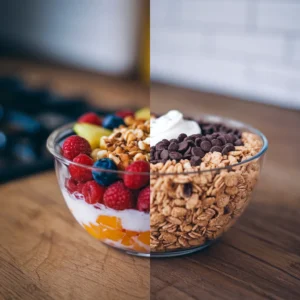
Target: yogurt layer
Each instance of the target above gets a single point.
(170, 126)
(85, 213)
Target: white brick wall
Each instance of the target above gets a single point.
(246, 48)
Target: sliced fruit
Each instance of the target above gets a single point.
(127, 241)
(144, 238)
(110, 222)
(92, 133)
(114, 235)
(143, 114)
(94, 231)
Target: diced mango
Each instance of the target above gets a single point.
(110, 222)
(144, 237)
(92, 133)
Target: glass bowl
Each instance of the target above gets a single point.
(192, 207)
(128, 230)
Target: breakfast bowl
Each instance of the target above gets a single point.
(96, 191)
(197, 194)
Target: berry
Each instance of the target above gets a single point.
(112, 121)
(143, 203)
(137, 181)
(105, 177)
(118, 196)
(81, 174)
(73, 186)
(75, 145)
(124, 113)
(93, 192)
(90, 118)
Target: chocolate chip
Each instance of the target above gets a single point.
(188, 189)
(205, 145)
(222, 139)
(197, 151)
(216, 149)
(229, 138)
(181, 137)
(191, 143)
(164, 154)
(160, 146)
(238, 143)
(165, 142)
(157, 155)
(183, 146)
(173, 141)
(188, 151)
(198, 142)
(173, 147)
(216, 142)
(195, 161)
(227, 148)
(175, 155)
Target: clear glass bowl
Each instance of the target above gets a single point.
(182, 219)
(128, 230)
(192, 209)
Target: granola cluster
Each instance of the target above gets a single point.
(188, 210)
(126, 144)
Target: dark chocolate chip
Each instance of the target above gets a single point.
(183, 146)
(205, 145)
(160, 146)
(157, 155)
(173, 141)
(198, 142)
(229, 138)
(227, 148)
(164, 154)
(175, 155)
(173, 147)
(222, 139)
(188, 189)
(238, 143)
(195, 161)
(188, 151)
(165, 142)
(197, 151)
(216, 149)
(181, 137)
(216, 142)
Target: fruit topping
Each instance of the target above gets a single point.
(143, 203)
(93, 192)
(73, 186)
(112, 121)
(124, 113)
(118, 196)
(136, 181)
(90, 118)
(105, 177)
(143, 114)
(92, 133)
(75, 145)
(81, 174)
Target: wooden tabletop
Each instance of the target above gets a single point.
(45, 254)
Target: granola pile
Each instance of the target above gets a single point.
(189, 207)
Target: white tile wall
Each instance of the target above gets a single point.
(246, 48)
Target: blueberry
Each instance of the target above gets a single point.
(112, 121)
(103, 177)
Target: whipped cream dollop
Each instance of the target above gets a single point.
(170, 126)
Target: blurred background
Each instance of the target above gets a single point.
(59, 59)
(249, 49)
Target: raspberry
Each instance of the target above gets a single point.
(143, 203)
(73, 186)
(75, 145)
(81, 174)
(93, 192)
(118, 197)
(137, 181)
(90, 118)
(124, 113)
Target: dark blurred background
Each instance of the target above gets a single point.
(59, 59)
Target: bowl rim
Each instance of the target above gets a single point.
(52, 146)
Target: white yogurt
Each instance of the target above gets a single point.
(170, 126)
(85, 213)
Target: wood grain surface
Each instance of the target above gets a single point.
(44, 253)
(259, 258)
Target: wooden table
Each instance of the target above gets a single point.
(44, 254)
(259, 258)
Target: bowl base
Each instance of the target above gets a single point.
(171, 253)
